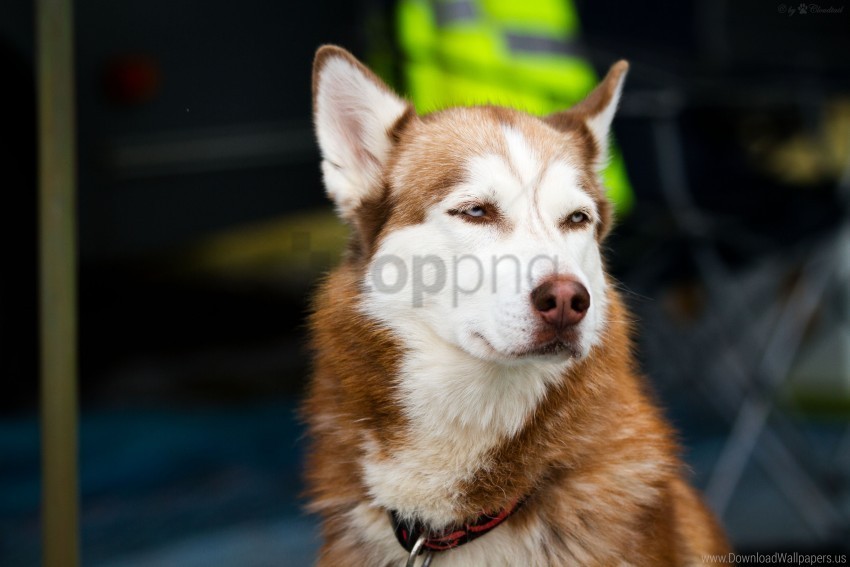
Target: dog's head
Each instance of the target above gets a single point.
(480, 227)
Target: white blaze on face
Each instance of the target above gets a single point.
(470, 283)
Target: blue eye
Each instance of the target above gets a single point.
(579, 217)
(484, 213)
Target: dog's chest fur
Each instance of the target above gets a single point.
(459, 412)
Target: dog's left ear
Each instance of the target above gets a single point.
(596, 111)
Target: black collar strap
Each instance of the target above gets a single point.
(408, 534)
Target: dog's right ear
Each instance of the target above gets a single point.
(596, 111)
(354, 113)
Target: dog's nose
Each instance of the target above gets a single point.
(561, 302)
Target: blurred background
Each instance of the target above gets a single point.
(203, 228)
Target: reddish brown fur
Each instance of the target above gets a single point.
(596, 461)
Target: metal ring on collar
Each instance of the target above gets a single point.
(416, 550)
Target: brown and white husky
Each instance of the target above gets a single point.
(475, 398)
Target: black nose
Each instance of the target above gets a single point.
(562, 302)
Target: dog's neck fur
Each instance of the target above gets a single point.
(446, 392)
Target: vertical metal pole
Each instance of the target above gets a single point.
(58, 260)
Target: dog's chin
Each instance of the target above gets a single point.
(553, 348)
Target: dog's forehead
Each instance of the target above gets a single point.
(444, 149)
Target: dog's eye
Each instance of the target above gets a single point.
(576, 219)
(482, 213)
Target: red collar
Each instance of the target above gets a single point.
(449, 538)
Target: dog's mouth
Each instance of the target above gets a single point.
(560, 345)
(555, 347)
